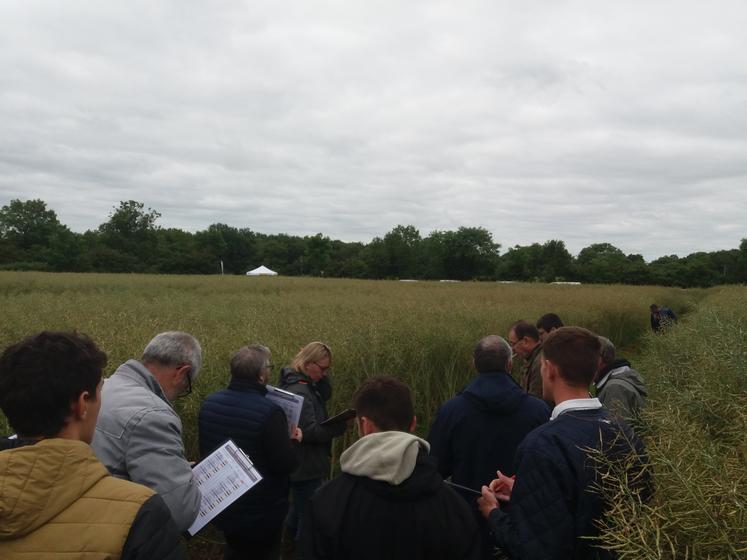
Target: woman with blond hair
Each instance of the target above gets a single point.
(308, 376)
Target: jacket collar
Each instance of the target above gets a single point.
(609, 370)
(575, 404)
(246, 386)
(137, 372)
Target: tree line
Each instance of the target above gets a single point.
(32, 238)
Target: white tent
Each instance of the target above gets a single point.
(262, 271)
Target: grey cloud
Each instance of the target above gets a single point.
(563, 120)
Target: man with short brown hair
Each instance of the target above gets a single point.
(389, 502)
(555, 501)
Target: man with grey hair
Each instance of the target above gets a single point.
(479, 430)
(139, 435)
(253, 524)
(619, 387)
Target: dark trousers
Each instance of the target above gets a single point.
(301, 493)
(266, 546)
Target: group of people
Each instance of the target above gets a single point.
(505, 464)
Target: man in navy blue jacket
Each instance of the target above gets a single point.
(553, 502)
(480, 429)
(252, 525)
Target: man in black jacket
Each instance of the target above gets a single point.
(390, 501)
(479, 430)
(554, 503)
(252, 525)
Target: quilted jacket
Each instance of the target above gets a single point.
(59, 502)
(258, 426)
(554, 504)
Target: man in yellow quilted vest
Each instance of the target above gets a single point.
(56, 499)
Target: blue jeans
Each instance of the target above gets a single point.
(302, 491)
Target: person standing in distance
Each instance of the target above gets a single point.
(309, 377)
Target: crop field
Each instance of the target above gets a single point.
(424, 332)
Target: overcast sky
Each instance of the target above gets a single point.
(623, 122)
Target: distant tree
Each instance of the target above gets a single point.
(65, 250)
(726, 266)
(237, 248)
(282, 253)
(636, 270)
(668, 271)
(28, 224)
(699, 271)
(180, 253)
(130, 230)
(556, 261)
(317, 255)
(402, 246)
(521, 263)
(346, 260)
(602, 263)
(467, 253)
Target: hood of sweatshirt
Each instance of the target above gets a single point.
(624, 373)
(384, 456)
(495, 392)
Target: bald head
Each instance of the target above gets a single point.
(492, 353)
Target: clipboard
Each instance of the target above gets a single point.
(343, 416)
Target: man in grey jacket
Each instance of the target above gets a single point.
(619, 387)
(139, 435)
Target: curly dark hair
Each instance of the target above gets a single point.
(42, 375)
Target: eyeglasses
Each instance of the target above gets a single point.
(188, 391)
(514, 343)
(322, 368)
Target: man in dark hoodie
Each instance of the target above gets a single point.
(619, 387)
(479, 430)
(390, 501)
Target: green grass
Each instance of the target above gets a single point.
(422, 332)
(696, 426)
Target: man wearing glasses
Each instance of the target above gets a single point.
(524, 339)
(139, 435)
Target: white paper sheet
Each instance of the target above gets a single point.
(289, 402)
(222, 477)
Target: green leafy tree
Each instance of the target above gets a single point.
(402, 246)
(602, 263)
(317, 256)
(668, 271)
(28, 224)
(131, 231)
(467, 253)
